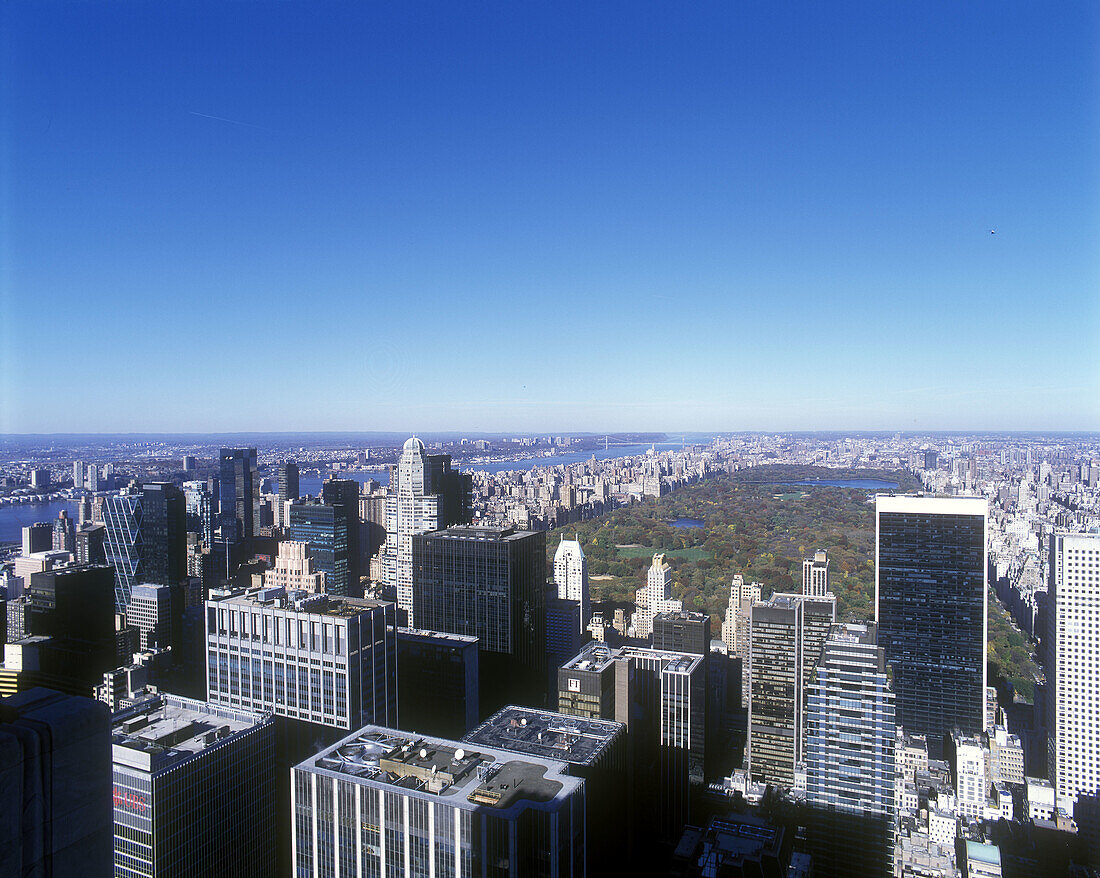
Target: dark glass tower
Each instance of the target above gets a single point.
(288, 481)
(163, 534)
(343, 496)
(930, 606)
(488, 583)
(325, 528)
(239, 494)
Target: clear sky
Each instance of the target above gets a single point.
(549, 216)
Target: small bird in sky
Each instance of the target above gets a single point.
(992, 231)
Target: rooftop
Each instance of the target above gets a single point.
(427, 768)
(298, 601)
(545, 734)
(436, 635)
(167, 729)
(596, 656)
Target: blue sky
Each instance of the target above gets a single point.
(559, 216)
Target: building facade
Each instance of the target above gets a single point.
(238, 495)
(788, 633)
(385, 802)
(815, 575)
(194, 790)
(1071, 657)
(571, 577)
(488, 583)
(655, 597)
(930, 609)
(313, 658)
(437, 682)
(737, 629)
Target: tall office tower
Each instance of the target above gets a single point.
(78, 474)
(55, 786)
(788, 633)
(850, 755)
(411, 507)
(122, 542)
(194, 790)
(40, 478)
(682, 631)
(433, 806)
(64, 534)
(327, 661)
(655, 597)
(239, 495)
(815, 575)
(294, 570)
(931, 459)
(199, 505)
(372, 522)
(343, 495)
(92, 481)
(1071, 659)
(563, 640)
(72, 606)
(660, 697)
(571, 577)
(736, 630)
(151, 613)
(37, 537)
(88, 544)
(424, 494)
(288, 481)
(83, 511)
(163, 534)
(488, 583)
(593, 749)
(930, 607)
(324, 528)
(189, 463)
(437, 682)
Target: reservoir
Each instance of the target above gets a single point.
(687, 522)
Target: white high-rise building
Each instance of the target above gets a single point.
(571, 576)
(654, 598)
(411, 507)
(815, 575)
(736, 630)
(1072, 665)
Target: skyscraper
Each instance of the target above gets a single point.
(324, 528)
(655, 597)
(736, 630)
(194, 790)
(327, 661)
(239, 495)
(343, 495)
(424, 495)
(437, 682)
(288, 481)
(815, 575)
(122, 542)
(55, 786)
(163, 534)
(930, 607)
(682, 631)
(571, 577)
(1071, 658)
(850, 762)
(64, 534)
(788, 632)
(37, 537)
(488, 583)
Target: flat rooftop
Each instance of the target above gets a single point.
(545, 734)
(167, 729)
(477, 532)
(424, 634)
(298, 601)
(596, 656)
(437, 769)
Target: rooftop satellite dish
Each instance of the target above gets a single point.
(460, 755)
(423, 753)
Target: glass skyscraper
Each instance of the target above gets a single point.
(238, 494)
(930, 606)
